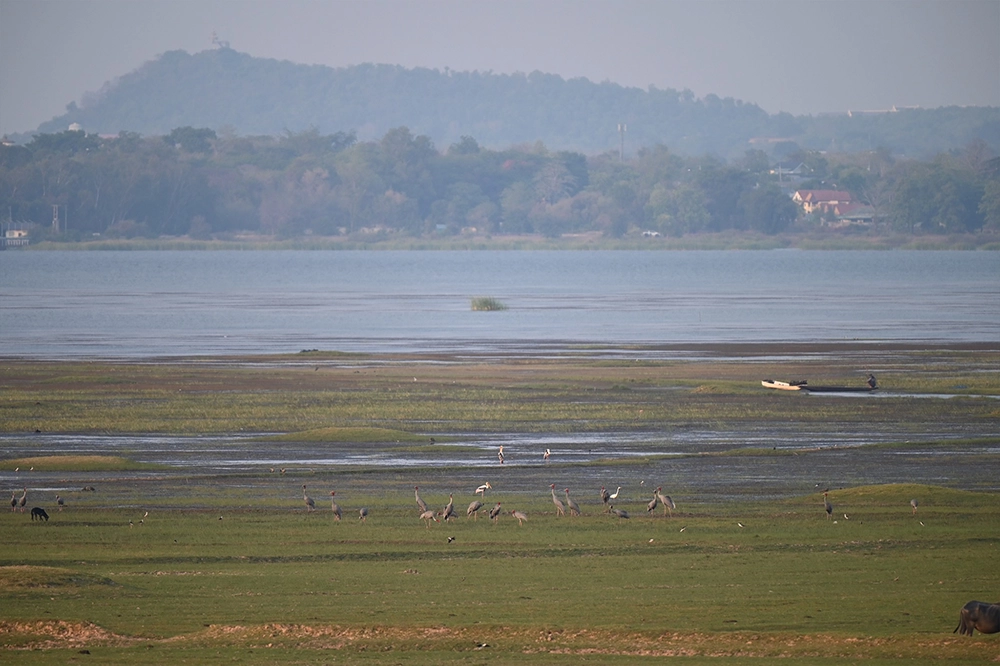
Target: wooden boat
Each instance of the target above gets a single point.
(803, 385)
(784, 386)
(839, 389)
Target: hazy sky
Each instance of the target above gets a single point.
(802, 56)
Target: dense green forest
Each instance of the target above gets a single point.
(234, 92)
(197, 182)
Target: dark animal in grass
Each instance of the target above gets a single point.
(978, 615)
(38, 513)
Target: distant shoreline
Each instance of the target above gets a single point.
(726, 241)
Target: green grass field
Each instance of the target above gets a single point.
(262, 586)
(232, 568)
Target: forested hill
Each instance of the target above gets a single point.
(223, 88)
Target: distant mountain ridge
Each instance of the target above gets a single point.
(223, 88)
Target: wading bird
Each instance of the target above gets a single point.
(520, 515)
(363, 514)
(481, 490)
(605, 497)
(24, 500)
(914, 504)
(13, 501)
(310, 504)
(545, 456)
(615, 494)
(651, 507)
(827, 506)
(334, 505)
(495, 513)
(621, 513)
(500, 454)
(449, 510)
(427, 517)
(416, 493)
(668, 504)
(473, 509)
(560, 511)
(574, 508)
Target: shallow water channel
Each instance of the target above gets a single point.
(692, 464)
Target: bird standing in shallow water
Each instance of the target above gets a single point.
(500, 454)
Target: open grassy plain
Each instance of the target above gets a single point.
(228, 564)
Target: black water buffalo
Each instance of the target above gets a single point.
(38, 513)
(979, 615)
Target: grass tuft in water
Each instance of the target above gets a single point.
(487, 304)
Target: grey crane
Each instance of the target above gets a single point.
(520, 515)
(333, 505)
(427, 517)
(60, 503)
(914, 504)
(560, 510)
(13, 501)
(363, 514)
(495, 513)
(827, 506)
(24, 500)
(668, 504)
(651, 507)
(449, 510)
(416, 494)
(310, 504)
(621, 513)
(574, 508)
(473, 509)
(605, 497)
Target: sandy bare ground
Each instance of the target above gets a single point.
(55, 634)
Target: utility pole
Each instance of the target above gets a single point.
(621, 148)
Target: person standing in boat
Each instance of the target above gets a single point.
(871, 381)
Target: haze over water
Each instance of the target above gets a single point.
(138, 304)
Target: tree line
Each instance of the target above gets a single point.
(196, 182)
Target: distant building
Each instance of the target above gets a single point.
(15, 238)
(821, 201)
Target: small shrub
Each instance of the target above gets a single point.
(487, 303)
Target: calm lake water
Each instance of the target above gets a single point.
(139, 304)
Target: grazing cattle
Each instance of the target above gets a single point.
(978, 615)
(38, 513)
